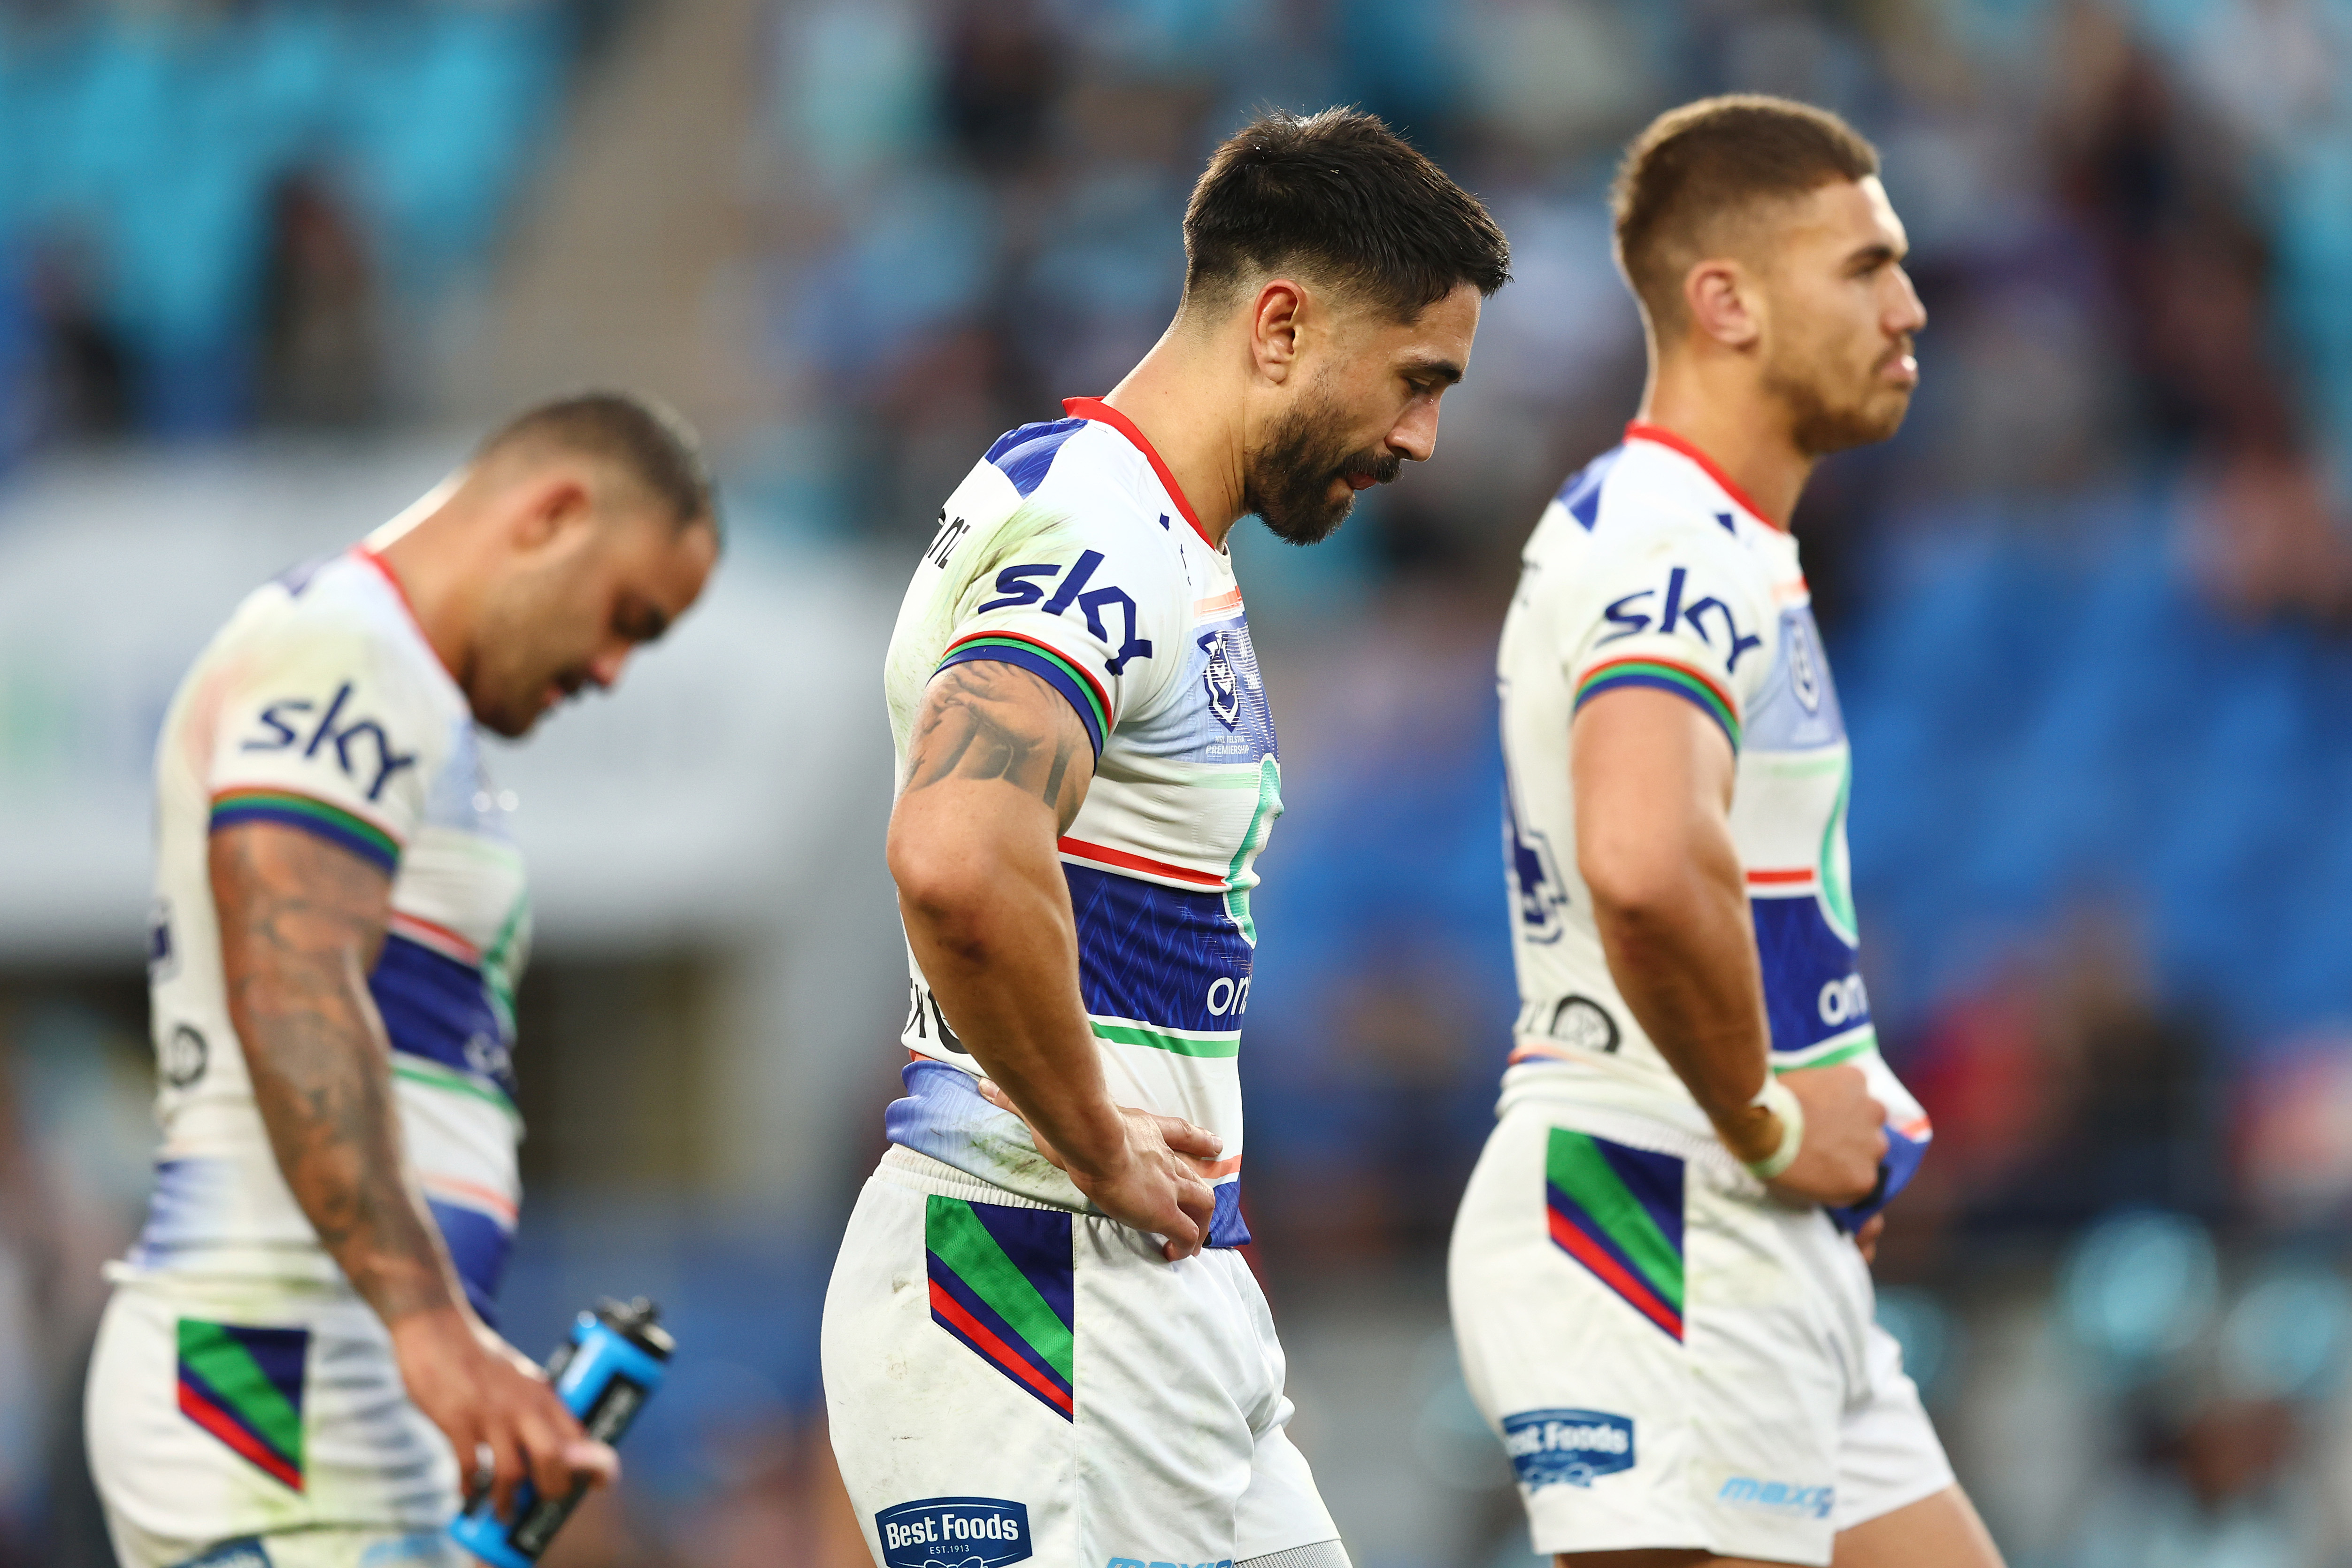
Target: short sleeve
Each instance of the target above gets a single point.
(1684, 614)
(321, 730)
(1087, 609)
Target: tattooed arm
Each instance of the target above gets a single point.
(996, 769)
(301, 923)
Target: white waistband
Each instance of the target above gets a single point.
(903, 1167)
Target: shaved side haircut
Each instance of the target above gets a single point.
(651, 443)
(1340, 196)
(1699, 171)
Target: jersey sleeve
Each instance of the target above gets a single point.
(1090, 605)
(1682, 613)
(321, 730)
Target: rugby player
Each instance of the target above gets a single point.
(298, 1355)
(1659, 1273)
(1038, 1339)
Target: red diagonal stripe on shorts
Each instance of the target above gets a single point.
(948, 1306)
(200, 1410)
(1645, 1300)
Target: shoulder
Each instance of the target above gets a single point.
(331, 622)
(1637, 506)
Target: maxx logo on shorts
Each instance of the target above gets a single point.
(953, 1532)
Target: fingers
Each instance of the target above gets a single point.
(996, 1097)
(594, 1461)
(1188, 1139)
(508, 1466)
(1196, 1204)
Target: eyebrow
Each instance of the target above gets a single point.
(1444, 370)
(1874, 254)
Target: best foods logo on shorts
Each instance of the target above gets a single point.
(1551, 1446)
(953, 1532)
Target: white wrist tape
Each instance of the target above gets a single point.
(1781, 1102)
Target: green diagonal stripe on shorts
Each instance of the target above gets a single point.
(1577, 1168)
(955, 1233)
(238, 1378)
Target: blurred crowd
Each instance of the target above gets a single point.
(2089, 609)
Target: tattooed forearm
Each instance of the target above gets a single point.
(986, 721)
(301, 923)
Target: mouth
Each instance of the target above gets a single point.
(1901, 367)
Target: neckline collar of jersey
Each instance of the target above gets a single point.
(370, 557)
(1635, 430)
(1095, 408)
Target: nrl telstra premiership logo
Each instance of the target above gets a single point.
(1225, 685)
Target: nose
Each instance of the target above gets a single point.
(1909, 314)
(1415, 437)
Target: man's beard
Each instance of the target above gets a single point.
(1288, 480)
(1819, 429)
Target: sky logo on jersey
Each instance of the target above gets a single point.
(288, 721)
(954, 1533)
(1568, 1448)
(1225, 685)
(1015, 590)
(1777, 1497)
(1676, 611)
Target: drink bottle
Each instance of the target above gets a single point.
(604, 1374)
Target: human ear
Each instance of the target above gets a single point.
(551, 507)
(1275, 321)
(1720, 298)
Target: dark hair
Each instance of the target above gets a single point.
(1701, 162)
(657, 448)
(1340, 195)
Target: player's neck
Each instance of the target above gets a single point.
(428, 561)
(1177, 398)
(1741, 434)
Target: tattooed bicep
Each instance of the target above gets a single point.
(286, 897)
(983, 719)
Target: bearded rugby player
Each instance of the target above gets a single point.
(1659, 1275)
(297, 1367)
(1039, 1340)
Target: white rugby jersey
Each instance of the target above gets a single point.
(322, 707)
(1651, 569)
(1070, 552)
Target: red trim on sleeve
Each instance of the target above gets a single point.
(1085, 674)
(1110, 857)
(1637, 431)
(1095, 408)
(383, 568)
(1787, 879)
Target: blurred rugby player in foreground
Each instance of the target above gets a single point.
(1038, 1339)
(297, 1366)
(1659, 1274)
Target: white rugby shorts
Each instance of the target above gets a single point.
(1671, 1358)
(238, 1424)
(1008, 1381)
